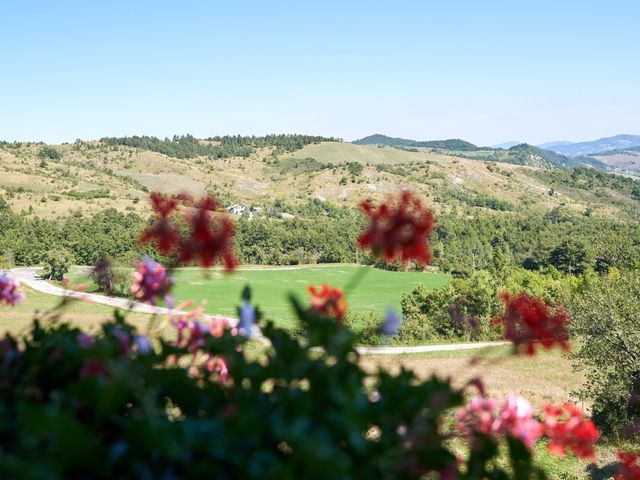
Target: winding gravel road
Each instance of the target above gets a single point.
(29, 277)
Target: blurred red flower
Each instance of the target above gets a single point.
(629, 466)
(528, 320)
(328, 301)
(398, 229)
(162, 232)
(163, 205)
(567, 428)
(210, 239)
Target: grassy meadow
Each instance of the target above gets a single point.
(49, 308)
(271, 286)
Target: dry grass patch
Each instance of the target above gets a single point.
(546, 378)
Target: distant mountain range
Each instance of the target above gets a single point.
(594, 147)
(551, 145)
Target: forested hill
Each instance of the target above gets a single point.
(450, 144)
(187, 146)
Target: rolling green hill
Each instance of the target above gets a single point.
(87, 177)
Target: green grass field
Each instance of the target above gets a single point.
(272, 286)
(333, 152)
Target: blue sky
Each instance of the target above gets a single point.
(485, 71)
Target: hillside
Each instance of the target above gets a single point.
(90, 176)
(510, 152)
(625, 161)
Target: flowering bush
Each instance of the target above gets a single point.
(120, 404)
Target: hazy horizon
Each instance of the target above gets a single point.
(488, 73)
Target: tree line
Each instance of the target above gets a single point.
(187, 146)
(319, 232)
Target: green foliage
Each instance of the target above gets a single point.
(478, 199)
(111, 280)
(100, 193)
(462, 310)
(56, 263)
(354, 168)
(107, 233)
(605, 319)
(462, 245)
(324, 235)
(451, 144)
(299, 166)
(572, 256)
(591, 180)
(365, 326)
(49, 153)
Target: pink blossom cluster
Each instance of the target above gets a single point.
(192, 334)
(513, 419)
(565, 427)
(9, 291)
(151, 282)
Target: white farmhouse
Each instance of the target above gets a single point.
(236, 209)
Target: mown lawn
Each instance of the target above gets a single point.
(271, 287)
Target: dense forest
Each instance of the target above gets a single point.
(321, 232)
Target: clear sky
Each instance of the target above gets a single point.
(484, 71)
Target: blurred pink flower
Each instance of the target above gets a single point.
(9, 291)
(478, 416)
(152, 281)
(516, 420)
(85, 340)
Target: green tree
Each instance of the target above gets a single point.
(572, 256)
(56, 263)
(605, 318)
(50, 153)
